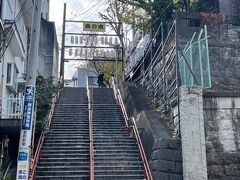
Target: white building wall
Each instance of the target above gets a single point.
(16, 52)
(81, 74)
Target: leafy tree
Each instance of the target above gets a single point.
(114, 15)
(108, 69)
(45, 88)
(162, 10)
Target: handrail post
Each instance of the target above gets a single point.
(90, 111)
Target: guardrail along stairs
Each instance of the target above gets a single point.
(116, 154)
(65, 151)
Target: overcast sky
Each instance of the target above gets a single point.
(76, 10)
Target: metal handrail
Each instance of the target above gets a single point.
(42, 137)
(130, 123)
(91, 149)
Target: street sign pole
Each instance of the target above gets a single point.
(25, 146)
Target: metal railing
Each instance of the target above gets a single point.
(42, 137)
(11, 108)
(90, 110)
(131, 124)
(194, 65)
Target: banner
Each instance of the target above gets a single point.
(26, 134)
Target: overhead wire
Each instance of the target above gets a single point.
(86, 11)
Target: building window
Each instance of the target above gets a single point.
(9, 73)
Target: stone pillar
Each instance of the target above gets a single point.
(192, 133)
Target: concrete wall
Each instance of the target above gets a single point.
(163, 152)
(222, 122)
(48, 50)
(229, 7)
(224, 50)
(225, 63)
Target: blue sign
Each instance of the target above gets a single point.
(23, 156)
(29, 93)
(28, 107)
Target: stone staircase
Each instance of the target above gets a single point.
(65, 152)
(116, 155)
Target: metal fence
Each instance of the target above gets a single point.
(165, 67)
(11, 108)
(194, 66)
(158, 76)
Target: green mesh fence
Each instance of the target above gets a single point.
(194, 63)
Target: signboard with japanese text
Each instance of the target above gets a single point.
(23, 165)
(28, 108)
(26, 133)
(94, 26)
(92, 54)
(92, 41)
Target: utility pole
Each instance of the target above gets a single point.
(63, 45)
(24, 153)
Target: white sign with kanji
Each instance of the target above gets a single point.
(94, 26)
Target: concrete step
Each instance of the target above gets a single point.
(115, 151)
(65, 114)
(114, 154)
(119, 177)
(64, 159)
(62, 168)
(66, 133)
(122, 147)
(113, 140)
(115, 158)
(63, 173)
(118, 172)
(118, 163)
(66, 140)
(72, 144)
(65, 155)
(61, 177)
(52, 137)
(46, 164)
(70, 118)
(59, 133)
(116, 168)
(65, 148)
(69, 129)
(65, 151)
(56, 127)
(71, 121)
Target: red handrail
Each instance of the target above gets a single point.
(147, 171)
(91, 146)
(91, 149)
(42, 137)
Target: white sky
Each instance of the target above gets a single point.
(76, 10)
